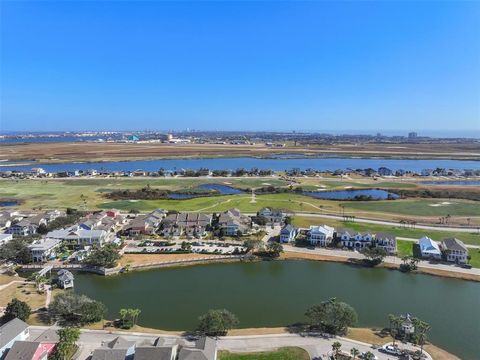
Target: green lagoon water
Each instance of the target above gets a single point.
(268, 294)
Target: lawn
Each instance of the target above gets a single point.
(474, 257)
(468, 238)
(420, 207)
(404, 248)
(24, 292)
(286, 353)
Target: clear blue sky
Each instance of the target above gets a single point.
(367, 66)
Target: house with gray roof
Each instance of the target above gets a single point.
(288, 233)
(80, 237)
(205, 349)
(455, 251)
(232, 221)
(65, 279)
(14, 330)
(44, 249)
(157, 351)
(387, 242)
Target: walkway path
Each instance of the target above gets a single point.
(392, 260)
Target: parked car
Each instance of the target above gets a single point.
(390, 349)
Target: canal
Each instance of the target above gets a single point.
(269, 294)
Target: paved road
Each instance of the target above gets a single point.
(391, 223)
(317, 347)
(347, 254)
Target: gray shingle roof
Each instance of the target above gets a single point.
(454, 244)
(109, 354)
(22, 350)
(11, 330)
(154, 352)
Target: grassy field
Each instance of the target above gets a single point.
(404, 248)
(60, 193)
(286, 353)
(474, 257)
(467, 238)
(24, 292)
(420, 207)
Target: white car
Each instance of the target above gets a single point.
(390, 349)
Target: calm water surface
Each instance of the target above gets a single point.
(278, 164)
(376, 194)
(278, 293)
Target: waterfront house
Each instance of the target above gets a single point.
(29, 350)
(117, 349)
(14, 330)
(455, 251)
(65, 279)
(320, 235)
(23, 228)
(288, 233)
(79, 237)
(232, 222)
(353, 240)
(429, 249)
(387, 242)
(205, 349)
(5, 238)
(157, 351)
(273, 216)
(44, 249)
(192, 224)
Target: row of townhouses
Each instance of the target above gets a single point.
(324, 235)
(17, 343)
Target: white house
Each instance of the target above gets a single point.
(429, 249)
(387, 242)
(273, 216)
(455, 251)
(288, 234)
(81, 237)
(354, 240)
(320, 235)
(10, 332)
(65, 279)
(43, 249)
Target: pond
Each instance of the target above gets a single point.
(277, 293)
(374, 194)
(6, 203)
(215, 189)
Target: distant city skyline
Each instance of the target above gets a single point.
(251, 66)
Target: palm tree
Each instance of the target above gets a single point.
(393, 326)
(135, 313)
(368, 356)
(123, 313)
(354, 352)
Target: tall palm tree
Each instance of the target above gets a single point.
(123, 313)
(354, 352)
(394, 320)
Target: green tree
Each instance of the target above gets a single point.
(421, 330)
(106, 256)
(186, 246)
(332, 316)
(66, 347)
(368, 356)
(70, 308)
(16, 250)
(395, 322)
(354, 352)
(274, 249)
(336, 346)
(374, 255)
(17, 309)
(252, 245)
(216, 322)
